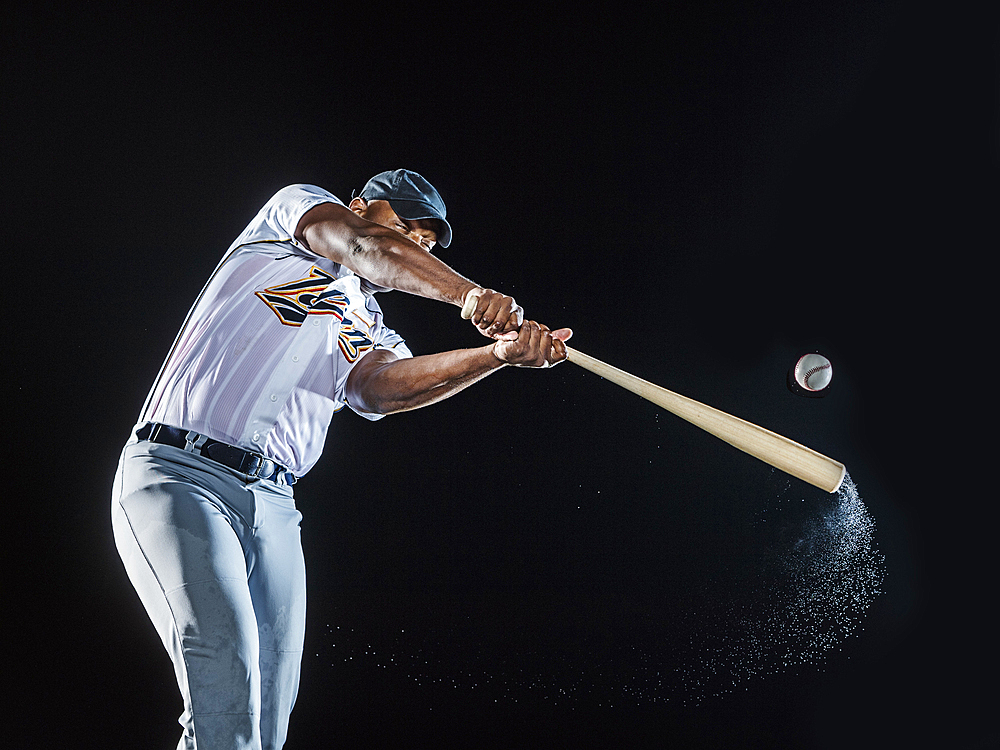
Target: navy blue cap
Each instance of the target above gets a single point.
(411, 197)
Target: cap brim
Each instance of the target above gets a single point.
(415, 211)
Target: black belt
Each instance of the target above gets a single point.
(254, 465)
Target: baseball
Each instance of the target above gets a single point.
(813, 372)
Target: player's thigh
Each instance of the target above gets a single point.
(183, 528)
(181, 547)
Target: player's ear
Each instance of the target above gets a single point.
(358, 205)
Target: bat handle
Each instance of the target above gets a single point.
(470, 306)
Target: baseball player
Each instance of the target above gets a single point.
(284, 334)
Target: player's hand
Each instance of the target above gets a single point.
(534, 346)
(495, 313)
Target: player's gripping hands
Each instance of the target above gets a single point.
(534, 345)
(494, 313)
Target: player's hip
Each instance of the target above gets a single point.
(169, 475)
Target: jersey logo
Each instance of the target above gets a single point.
(293, 301)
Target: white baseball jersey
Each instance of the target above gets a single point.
(262, 360)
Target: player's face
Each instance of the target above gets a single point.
(420, 231)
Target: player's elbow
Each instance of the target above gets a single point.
(373, 404)
(384, 395)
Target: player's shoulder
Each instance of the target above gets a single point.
(279, 217)
(292, 202)
(303, 191)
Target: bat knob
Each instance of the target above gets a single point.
(470, 306)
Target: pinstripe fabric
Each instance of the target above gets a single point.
(262, 360)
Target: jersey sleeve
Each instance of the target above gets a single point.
(277, 220)
(394, 343)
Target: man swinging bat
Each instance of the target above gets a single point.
(284, 334)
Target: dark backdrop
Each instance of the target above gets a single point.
(703, 193)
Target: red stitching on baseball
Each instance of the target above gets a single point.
(813, 371)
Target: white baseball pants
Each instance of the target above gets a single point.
(218, 566)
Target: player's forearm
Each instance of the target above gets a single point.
(387, 259)
(405, 384)
(397, 263)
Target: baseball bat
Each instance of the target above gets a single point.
(778, 451)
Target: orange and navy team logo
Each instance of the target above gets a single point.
(292, 302)
(296, 300)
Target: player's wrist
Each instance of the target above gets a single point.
(497, 359)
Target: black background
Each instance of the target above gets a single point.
(703, 193)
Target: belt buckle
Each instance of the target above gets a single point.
(260, 467)
(266, 469)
